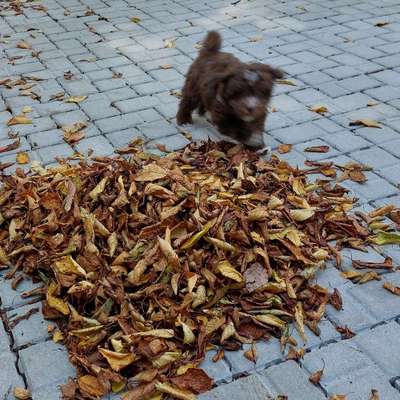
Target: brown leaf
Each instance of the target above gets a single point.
(24, 45)
(284, 148)
(89, 384)
(346, 332)
(285, 82)
(175, 392)
(22, 394)
(12, 146)
(251, 354)
(381, 24)
(317, 149)
(135, 20)
(387, 264)
(338, 397)
(336, 300)
(391, 288)
(315, 377)
(116, 360)
(374, 395)
(369, 123)
(194, 379)
(319, 109)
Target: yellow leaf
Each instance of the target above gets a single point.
(112, 242)
(26, 109)
(274, 202)
(170, 43)
(91, 385)
(383, 238)
(258, 214)
(135, 20)
(67, 265)
(19, 119)
(228, 332)
(284, 148)
(55, 302)
(167, 358)
(22, 158)
(116, 360)
(151, 172)
(302, 215)
(174, 391)
(168, 252)
(116, 387)
(299, 318)
(319, 109)
(188, 335)
(76, 99)
(391, 288)
(214, 324)
(22, 394)
(57, 336)
(24, 45)
(94, 194)
(369, 123)
(161, 333)
(165, 66)
(226, 269)
(197, 236)
(271, 320)
(221, 244)
(285, 82)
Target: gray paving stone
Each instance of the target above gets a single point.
(12, 298)
(45, 364)
(9, 377)
(122, 138)
(298, 133)
(375, 157)
(171, 143)
(119, 122)
(157, 130)
(219, 370)
(250, 388)
(136, 104)
(31, 330)
(99, 109)
(5, 341)
(290, 380)
(99, 144)
(347, 141)
(48, 154)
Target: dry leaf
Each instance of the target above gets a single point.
(285, 82)
(302, 215)
(383, 238)
(284, 148)
(317, 149)
(24, 45)
(90, 384)
(346, 332)
(391, 288)
(319, 109)
(374, 395)
(22, 394)
(135, 20)
(315, 378)
(165, 66)
(76, 99)
(194, 379)
(22, 158)
(170, 43)
(19, 119)
(116, 360)
(227, 270)
(369, 123)
(251, 354)
(338, 397)
(336, 300)
(175, 392)
(380, 24)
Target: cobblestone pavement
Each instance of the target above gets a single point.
(335, 54)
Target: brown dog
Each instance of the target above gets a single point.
(235, 94)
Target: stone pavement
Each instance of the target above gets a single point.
(343, 54)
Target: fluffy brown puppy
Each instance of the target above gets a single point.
(235, 94)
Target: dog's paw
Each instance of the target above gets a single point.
(184, 119)
(265, 152)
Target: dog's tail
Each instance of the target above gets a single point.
(212, 43)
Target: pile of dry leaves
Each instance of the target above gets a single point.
(150, 262)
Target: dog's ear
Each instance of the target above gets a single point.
(215, 86)
(275, 73)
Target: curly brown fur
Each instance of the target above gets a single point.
(236, 94)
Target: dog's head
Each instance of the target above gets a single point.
(245, 89)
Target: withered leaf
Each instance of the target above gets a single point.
(194, 379)
(387, 264)
(76, 99)
(22, 158)
(135, 20)
(315, 377)
(284, 148)
(369, 123)
(227, 270)
(19, 120)
(116, 360)
(251, 354)
(21, 393)
(90, 384)
(174, 391)
(383, 238)
(317, 149)
(285, 82)
(346, 332)
(391, 288)
(338, 397)
(319, 109)
(170, 43)
(374, 395)
(336, 299)
(381, 24)
(24, 45)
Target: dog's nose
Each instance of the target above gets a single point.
(250, 108)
